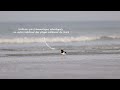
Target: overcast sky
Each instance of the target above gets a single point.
(37, 16)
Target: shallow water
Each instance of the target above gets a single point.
(61, 67)
(93, 51)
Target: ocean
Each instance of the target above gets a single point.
(93, 50)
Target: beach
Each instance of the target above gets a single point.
(61, 67)
(93, 51)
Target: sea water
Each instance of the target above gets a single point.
(92, 48)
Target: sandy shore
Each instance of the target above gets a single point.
(61, 67)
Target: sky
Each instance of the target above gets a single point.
(39, 16)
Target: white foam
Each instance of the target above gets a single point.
(54, 39)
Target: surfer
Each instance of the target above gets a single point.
(63, 52)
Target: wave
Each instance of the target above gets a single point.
(55, 39)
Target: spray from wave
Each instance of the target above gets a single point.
(55, 39)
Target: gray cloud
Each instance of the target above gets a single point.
(25, 16)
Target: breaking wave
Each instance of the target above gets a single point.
(55, 39)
